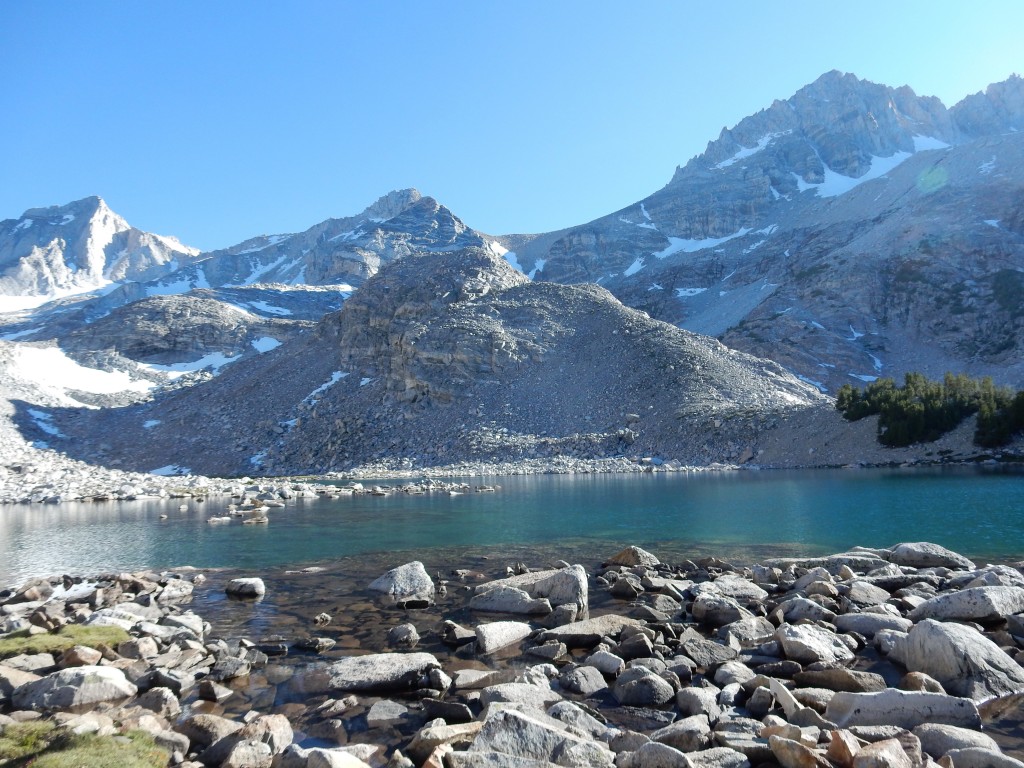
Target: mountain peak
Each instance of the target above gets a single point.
(392, 204)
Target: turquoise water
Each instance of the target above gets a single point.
(977, 511)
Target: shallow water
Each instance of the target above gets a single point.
(977, 511)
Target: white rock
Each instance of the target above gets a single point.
(496, 635)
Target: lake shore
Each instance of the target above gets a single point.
(731, 662)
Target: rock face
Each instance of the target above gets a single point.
(448, 356)
(834, 226)
(966, 662)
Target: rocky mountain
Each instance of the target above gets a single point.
(852, 230)
(449, 356)
(76, 248)
(217, 305)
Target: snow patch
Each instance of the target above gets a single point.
(876, 362)
(271, 240)
(986, 168)
(214, 360)
(171, 470)
(23, 224)
(745, 152)
(149, 424)
(817, 325)
(864, 377)
(821, 387)
(683, 293)
(68, 218)
(993, 222)
(364, 381)
(18, 334)
(44, 421)
(656, 287)
(679, 244)
(265, 344)
(854, 334)
(836, 184)
(923, 143)
(635, 267)
(538, 266)
(262, 306)
(53, 373)
(768, 230)
(335, 378)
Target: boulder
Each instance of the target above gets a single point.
(380, 671)
(906, 709)
(250, 587)
(563, 586)
(522, 695)
(792, 754)
(981, 604)
(809, 643)
(407, 586)
(963, 660)
(503, 598)
(690, 734)
(841, 679)
(496, 635)
(923, 554)
(640, 687)
(588, 633)
(74, 687)
(429, 738)
(973, 757)
(584, 680)
(632, 556)
(870, 624)
(937, 739)
(888, 753)
(717, 610)
(514, 733)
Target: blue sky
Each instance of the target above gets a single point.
(219, 121)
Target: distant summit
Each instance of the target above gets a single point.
(76, 248)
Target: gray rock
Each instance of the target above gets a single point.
(870, 624)
(808, 643)
(588, 633)
(380, 671)
(406, 586)
(923, 554)
(584, 680)
(963, 660)
(747, 632)
(73, 687)
(707, 653)
(982, 604)
(503, 598)
(403, 636)
(606, 662)
(249, 587)
(888, 753)
(517, 734)
(640, 687)
(906, 709)
(973, 757)
(203, 730)
(652, 755)
(798, 608)
(865, 594)
(631, 556)
(690, 734)
(385, 712)
(938, 739)
(524, 695)
(717, 757)
(699, 701)
(717, 610)
(841, 679)
(496, 635)
(245, 754)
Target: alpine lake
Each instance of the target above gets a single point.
(320, 554)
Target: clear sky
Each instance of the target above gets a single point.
(219, 121)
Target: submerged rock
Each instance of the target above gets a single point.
(407, 586)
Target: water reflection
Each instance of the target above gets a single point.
(976, 511)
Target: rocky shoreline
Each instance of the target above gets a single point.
(872, 657)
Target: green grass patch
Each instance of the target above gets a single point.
(68, 637)
(41, 745)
